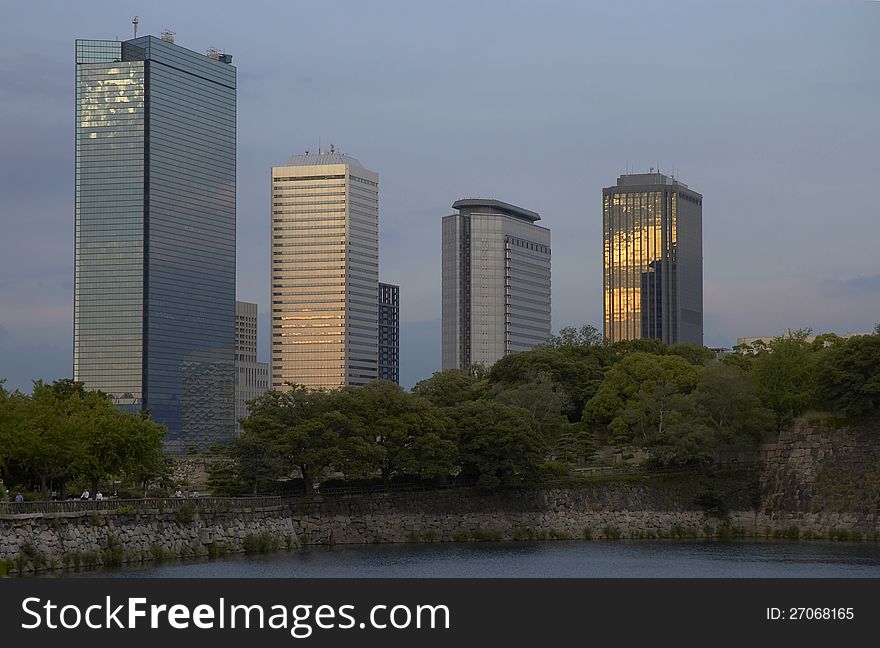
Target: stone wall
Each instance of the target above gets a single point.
(818, 481)
(34, 542)
(823, 475)
(642, 508)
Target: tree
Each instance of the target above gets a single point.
(694, 353)
(728, 403)
(848, 376)
(658, 376)
(785, 376)
(450, 387)
(256, 461)
(395, 432)
(542, 399)
(575, 371)
(497, 444)
(575, 446)
(302, 427)
(569, 336)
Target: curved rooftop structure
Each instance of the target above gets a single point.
(490, 205)
(310, 159)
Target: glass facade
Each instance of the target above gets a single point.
(389, 332)
(652, 259)
(325, 272)
(155, 233)
(496, 282)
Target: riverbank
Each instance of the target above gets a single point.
(626, 508)
(818, 481)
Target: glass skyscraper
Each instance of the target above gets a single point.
(495, 282)
(154, 284)
(653, 259)
(325, 272)
(389, 332)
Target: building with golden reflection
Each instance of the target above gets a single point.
(325, 272)
(652, 259)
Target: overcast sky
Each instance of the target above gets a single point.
(769, 108)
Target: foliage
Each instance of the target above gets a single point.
(302, 428)
(453, 386)
(784, 374)
(575, 372)
(569, 336)
(848, 377)
(62, 432)
(498, 445)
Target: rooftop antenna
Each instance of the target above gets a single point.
(135, 21)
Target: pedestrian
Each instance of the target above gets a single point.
(99, 496)
(19, 498)
(195, 494)
(179, 493)
(85, 494)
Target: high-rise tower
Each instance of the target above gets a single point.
(653, 259)
(325, 272)
(154, 283)
(496, 282)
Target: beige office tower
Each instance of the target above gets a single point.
(325, 272)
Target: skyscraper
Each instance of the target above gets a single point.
(154, 283)
(653, 259)
(251, 377)
(389, 332)
(325, 272)
(496, 282)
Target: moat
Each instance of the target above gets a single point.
(617, 559)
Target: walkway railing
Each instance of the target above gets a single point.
(219, 504)
(151, 504)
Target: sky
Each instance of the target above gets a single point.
(769, 108)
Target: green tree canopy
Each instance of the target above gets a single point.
(498, 445)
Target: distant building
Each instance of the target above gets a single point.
(389, 332)
(496, 282)
(653, 260)
(154, 259)
(747, 344)
(325, 272)
(251, 377)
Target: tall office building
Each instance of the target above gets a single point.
(389, 332)
(154, 283)
(496, 282)
(653, 260)
(325, 272)
(251, 377)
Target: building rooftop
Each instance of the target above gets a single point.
(491, 206)
(312, 159)
(651, 178)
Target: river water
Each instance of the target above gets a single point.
(615, 559)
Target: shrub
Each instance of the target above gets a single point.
(260, 543)
(113, 553)
(611, 533)
(186, 513)
(125, 511)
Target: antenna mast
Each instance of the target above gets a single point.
(134, 22)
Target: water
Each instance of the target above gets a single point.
(616, 559)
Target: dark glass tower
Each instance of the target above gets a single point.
(653, 259)
(389, 332)
(154, 286)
